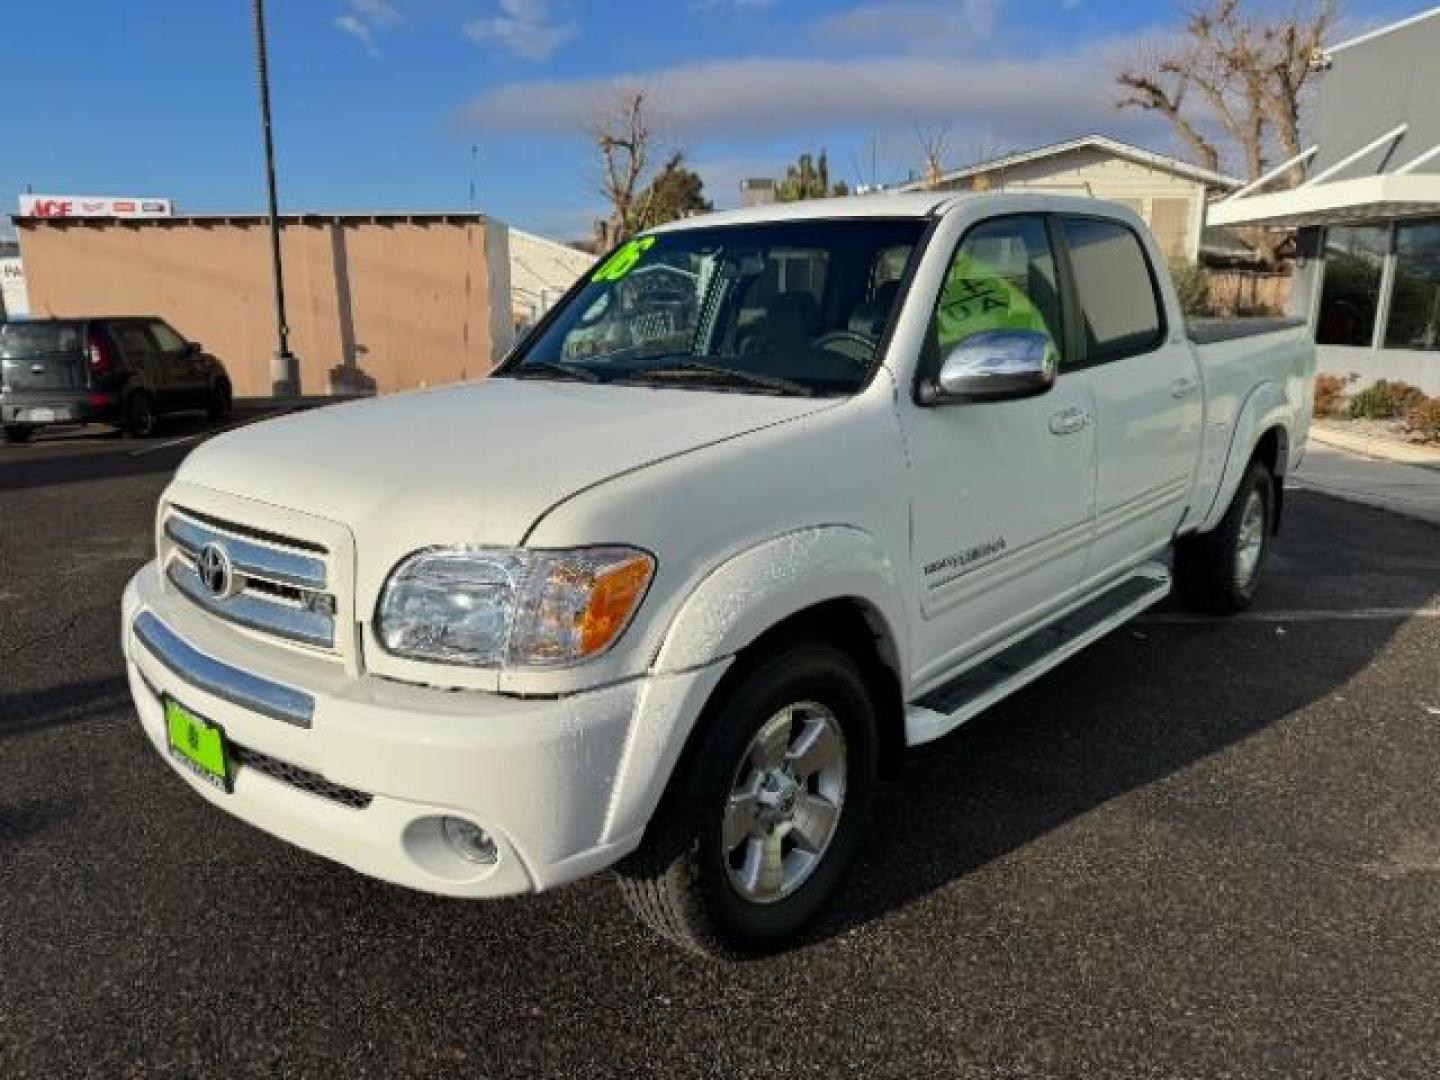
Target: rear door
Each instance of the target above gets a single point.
(1146, 390)
(139, 355)
(37, 358)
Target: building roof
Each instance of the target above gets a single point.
(1381, 31)
(1092, 142)
(1364, 198)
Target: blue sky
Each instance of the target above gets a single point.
(378, 102)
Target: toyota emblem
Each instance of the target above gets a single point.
(216, 573)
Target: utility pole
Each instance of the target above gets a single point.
(284, 367)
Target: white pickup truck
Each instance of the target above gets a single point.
(770, 496)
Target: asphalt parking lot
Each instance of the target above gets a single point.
(1202, 848)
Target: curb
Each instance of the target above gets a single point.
(1377, 447)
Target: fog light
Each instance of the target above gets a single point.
(470, 842)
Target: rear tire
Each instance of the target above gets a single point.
(221, 401)
(139, 421)
(18, 433)
(766, 809)
(1218, 572)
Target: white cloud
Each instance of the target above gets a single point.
(1006, 101)
(359, 30)
(525, 27)
(910, 25)
(363, 18)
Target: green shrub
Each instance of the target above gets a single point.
(1192, 284)
(1423, 419)
(1385, 401)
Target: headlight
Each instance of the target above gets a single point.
(489, 607)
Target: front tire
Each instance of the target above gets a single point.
(766, 813)
(18, 433)
(221, 401)
(1218, 572)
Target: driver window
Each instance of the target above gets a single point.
(1002, 277)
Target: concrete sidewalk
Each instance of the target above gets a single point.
(1338, 436)
(1413, 490)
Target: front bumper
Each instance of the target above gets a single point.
(366, 767)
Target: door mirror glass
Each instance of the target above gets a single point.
(998, 365)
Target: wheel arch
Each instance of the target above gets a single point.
(1262, 428)
(827, 584)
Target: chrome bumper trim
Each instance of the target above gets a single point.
(230, 683)
(294, 623)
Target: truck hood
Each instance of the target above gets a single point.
(473, 463)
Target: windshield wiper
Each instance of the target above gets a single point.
(718, 372)
(539, 369)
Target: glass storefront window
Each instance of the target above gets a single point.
(1354, 263)
(1414, 321)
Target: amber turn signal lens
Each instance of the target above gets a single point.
(613, 598)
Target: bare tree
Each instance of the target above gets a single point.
(1293, 47)
(934, 149)
(1235, 76)
(622, 133)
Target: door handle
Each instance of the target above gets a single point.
(1069, 421)
(1183, 388)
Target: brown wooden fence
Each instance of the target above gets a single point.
(1248, 292)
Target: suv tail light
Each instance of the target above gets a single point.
(99, 354)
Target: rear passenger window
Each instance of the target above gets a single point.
(1119, 310)
(131, 338)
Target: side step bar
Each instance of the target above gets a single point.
(947, 707)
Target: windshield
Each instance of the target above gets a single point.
(783, 307)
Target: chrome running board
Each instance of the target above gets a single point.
(945, 708)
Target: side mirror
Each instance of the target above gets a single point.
(194, 348)
(996, 365)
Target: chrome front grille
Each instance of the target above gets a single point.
(265, 582)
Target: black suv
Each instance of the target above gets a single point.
(125, 371)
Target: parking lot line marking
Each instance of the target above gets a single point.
(165, 445)
(1374, 614)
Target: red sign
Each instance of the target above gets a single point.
(52, 207)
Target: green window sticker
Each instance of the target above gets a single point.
(624, 259)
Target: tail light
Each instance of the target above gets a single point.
(99, 354)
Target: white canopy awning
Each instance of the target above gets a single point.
(1365, 198)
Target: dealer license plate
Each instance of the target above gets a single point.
(197, 744)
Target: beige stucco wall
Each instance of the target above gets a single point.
(1092, 171)
(407, 302)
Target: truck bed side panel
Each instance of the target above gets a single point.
(1252, 383)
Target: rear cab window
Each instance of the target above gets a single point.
(1120, 310)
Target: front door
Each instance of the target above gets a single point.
(1002, 491)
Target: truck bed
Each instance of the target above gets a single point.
(1209, 331)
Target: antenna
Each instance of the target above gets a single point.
(474, 169)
